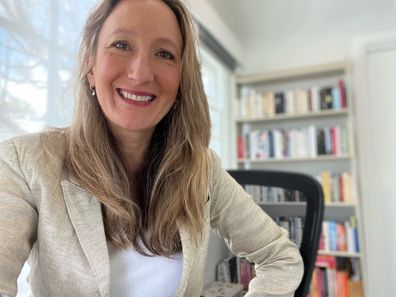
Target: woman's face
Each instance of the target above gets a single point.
(137, 68)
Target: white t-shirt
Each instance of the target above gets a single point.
(135, 275)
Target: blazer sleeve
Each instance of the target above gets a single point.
(251, 233)
(18, 218)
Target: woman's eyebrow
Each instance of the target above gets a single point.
(162, 40)
(169, 42)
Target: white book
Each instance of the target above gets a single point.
(350, 237)
(290, 101)
(325, 234)
(254, 144)
(315, 99)
(312, 142)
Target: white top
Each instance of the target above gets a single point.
(135, 275)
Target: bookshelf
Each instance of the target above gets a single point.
(302, 120)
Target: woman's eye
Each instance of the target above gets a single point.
(166, 55)
(123, 45)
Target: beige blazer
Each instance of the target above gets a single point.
(47, 218)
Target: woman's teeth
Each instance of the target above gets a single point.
(134, 97)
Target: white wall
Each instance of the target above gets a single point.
(374, 75)
(315, 42)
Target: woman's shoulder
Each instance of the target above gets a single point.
(49, 144)
(216, 169)
(36, 142)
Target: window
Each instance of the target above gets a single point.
(217, 82)
(38, 47)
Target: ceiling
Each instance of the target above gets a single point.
(252, 20)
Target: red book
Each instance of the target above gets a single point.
(241, 147)
(341, 86)
(342, 190)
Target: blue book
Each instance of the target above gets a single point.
(335, 93)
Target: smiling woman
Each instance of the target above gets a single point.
(131, 185)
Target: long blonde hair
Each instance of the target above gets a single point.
(176, 173)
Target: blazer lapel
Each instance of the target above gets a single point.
(187, 249)
(86, 216)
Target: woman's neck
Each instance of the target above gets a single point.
(133, 146)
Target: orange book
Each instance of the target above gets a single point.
(314, 290)
(341, 238)
(342, 284)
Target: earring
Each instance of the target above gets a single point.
(93, 91)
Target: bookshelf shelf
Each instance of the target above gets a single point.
(285, 117)
(286, 159)
(302, 204)
(341, 205)
(293, 74)
(302, 120)
(339, 254)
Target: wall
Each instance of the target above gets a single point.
(374, 73)
(209, 18)
(316, 42)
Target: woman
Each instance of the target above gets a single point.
(121, 203)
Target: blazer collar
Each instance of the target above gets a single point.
(86, 216)
(188, 256)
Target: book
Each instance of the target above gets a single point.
(326, 99)
(280, 103)
(342, 91)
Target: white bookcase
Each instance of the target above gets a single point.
(253, 121)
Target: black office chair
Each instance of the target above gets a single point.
(312, 191)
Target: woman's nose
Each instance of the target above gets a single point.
(141, 68)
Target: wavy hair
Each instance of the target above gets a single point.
(173, 183)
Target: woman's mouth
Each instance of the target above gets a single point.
(135, 97)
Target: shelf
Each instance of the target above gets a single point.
(339, 254)
(303, 204)
(341, 204)
(284, 117)
(313, 71)
(287, 159)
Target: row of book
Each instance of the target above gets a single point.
(337, 187)
(335, 236)
(263, 194)
(294, 225)
(304, 142)
(336, 277)
(340, 236)
(235, 270)
(255, 104)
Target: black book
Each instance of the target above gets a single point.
(320, 137)
(326, 99)
(279, 102)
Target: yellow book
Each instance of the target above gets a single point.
(325, 177)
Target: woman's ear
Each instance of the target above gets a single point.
(91, 71)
